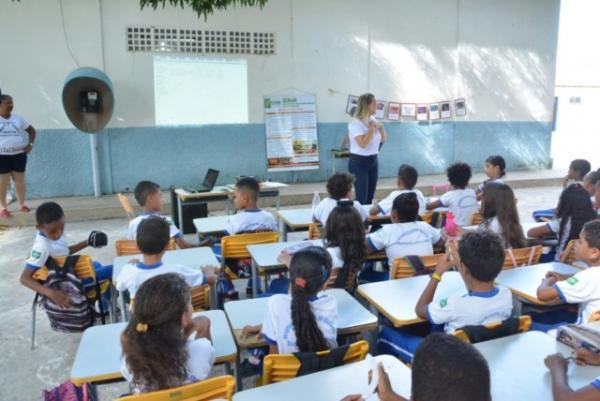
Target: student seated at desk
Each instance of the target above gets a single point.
(406, 182)
(158, 350)
(307, 319)
(152, 240)
(584, 287)
(589, 183)
(577, 171)
(573, 211)
(558, 366)
(444, 368)
(149, 197)
(500, 214)
(479, 260)
(495, 170)
(340, 186)
(461, 201)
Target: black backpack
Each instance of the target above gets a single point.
(80, 314)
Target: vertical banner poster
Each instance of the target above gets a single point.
(291, 129)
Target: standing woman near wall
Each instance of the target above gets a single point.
(14, 147)
(366, 135)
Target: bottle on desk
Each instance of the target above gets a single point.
(450, 225)
(316, 200)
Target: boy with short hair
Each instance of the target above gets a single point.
(461, 201)
(406, 182)
(50, 241)
(149, 197)
(153, 234)
(249, 217)
(584, 286)
(444, 368)
(340, 187)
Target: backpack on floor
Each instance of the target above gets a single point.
(80, 314)
(67, 391)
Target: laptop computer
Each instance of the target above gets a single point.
(209, 182)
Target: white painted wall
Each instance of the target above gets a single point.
(500, 55)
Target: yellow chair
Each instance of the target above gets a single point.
(221, 387)
(314, 231)
(281, 367)
(200, 296)
(436, 219)
(401, 268)
(524, 325)
(124, 200)
(476, 218)
(568, 256)
(350, 285)
(129, 247)
(236, 246)
(522, 257)
(84, 270)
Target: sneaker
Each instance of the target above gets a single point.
(25, 209)
(4, 213)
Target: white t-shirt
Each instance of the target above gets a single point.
(385, 205)
(43, 247)
(13, 138)
(336, 257)
(499, 180)
(474, 308)
(132, 276)
(133, 225)
(325, 207)
(250, 220)
(201, 358)
(554, 226)
(357, 128)
(404, 239)
(278, 327)
(584, 289)
(462, 203)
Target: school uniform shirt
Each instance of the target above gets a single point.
(357, 128)
(554, 226)
(474, 308)
(462, 203)
(499, 180)
(278, 328)
(250, 220)
(13, 138)
(336, 257)
(201, 358)
(596, 383)
(43, 247)
(133, 225)
(326, 206)
(385, 205)
(132, 276)
(403, 239)
(582, 288)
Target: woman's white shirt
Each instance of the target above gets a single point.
(356, 128)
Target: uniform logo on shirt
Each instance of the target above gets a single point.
(36, 254)
(444, 303)
(572, 280)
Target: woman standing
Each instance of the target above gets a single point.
(366, 135)
(14, 147)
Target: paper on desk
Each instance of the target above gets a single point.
(292, 249)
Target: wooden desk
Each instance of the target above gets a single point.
(211, 225)
(396, 299)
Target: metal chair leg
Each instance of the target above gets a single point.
(33, 325)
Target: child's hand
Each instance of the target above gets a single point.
(384, 388)
(548, 281)
(60, 298)
(248, 331)
(583, 356)
(557, 276)
(352, 397)
(201, 325)
(556, 361)
(285, 258)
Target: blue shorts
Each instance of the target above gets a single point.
(10, 163)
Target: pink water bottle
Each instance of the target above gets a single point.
(450, 225)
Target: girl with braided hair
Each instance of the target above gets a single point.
(306, 319)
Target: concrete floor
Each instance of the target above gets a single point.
(25, 373)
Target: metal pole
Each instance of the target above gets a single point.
(95, 163)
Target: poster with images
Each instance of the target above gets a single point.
(291, 129)
(393, 111)
(460, 107)
(408, 110)
(351, 105)
(434, 111)
(380, 110)
(445, 109)
(421, 112)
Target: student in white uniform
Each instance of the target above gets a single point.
(573, 211)
(249, 217)
(306, 320)
(340, 187)
(152, 240)
(406, 236)
(495, 170)
(461, 201)
(406, 182)
(500, 214)
(149, 197)
(559, 366)
(163, 346)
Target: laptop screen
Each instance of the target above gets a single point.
(211, 178)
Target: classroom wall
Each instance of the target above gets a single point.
(499, 55)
